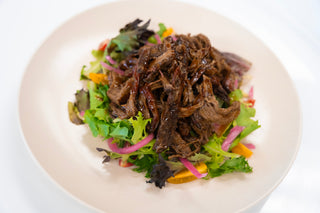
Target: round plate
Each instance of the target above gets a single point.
(67, 152)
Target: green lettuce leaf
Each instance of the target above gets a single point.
(118, 130)
(130, 38)
(98, 97)
(239, 164)
(162, 29)
(144, 164)
(139, 126)
(104, 129)
(74, 114)
(198, 157)
(245, 119)
(236, 95)
(82, 100)
(92, 122)
(101, 114)
(95, 65)
(143, 159)
(214, 147)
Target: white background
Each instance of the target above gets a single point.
(291, 28)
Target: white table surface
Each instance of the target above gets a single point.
(291, 28)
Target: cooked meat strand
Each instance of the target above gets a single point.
(168, 124)
(152, 106)
(182, 85)
(120, 95)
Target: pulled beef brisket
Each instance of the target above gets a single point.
(184, 86)
(120, 94)
(152, 106)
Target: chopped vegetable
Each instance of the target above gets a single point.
(244, 119)
(242, 150)
(158, 38)
(73, 114)
(236, 84)
(99, 78)
(162, 29)
(232, 165)
(234, 132)
(251, 93)
(82, 100)
(103, 45)
(123, 163)
(127, 150)
(192, 169)
(186, 175)
(168, 32)
(110, 68)
(111, 61)
(250, 102)
(144, 164)
(250, 145)
(139, 124)
(95, 66)
(174, 38)
(160, 173)
(130, 39)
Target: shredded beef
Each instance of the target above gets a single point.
(184, 86)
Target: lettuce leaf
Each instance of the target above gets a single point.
(244, 119)
(95, 65)
(74, 114)
(144, 164)
(98, 97)
(236, 95)
(119, 130)
(239, 164)
(162, 29)
(218, 156)
(139, 127)
(92, 122)
(82, 100)
(213, 147)
(198, 157)
(130, 39)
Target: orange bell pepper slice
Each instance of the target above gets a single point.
(99, 78)
(185, 175)
(242, 150)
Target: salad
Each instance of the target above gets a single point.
(168, 105)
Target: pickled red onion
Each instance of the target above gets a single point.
(234, 132)
(108, 57)
(236, 84)
(192, 169)
(82, 113)
(250, 145)
(157, 37)
(149, 44)
(251, 93)
(107, 66)
(127, 150)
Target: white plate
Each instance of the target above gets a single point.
(67, 152)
